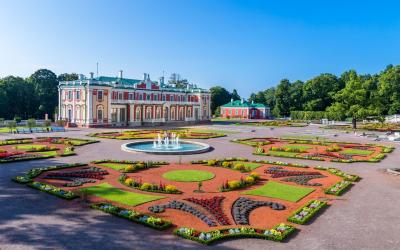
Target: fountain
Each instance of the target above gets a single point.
(166, 144)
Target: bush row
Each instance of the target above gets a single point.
(50, 189)
(338, 188)
(305, 213)
(338, 172)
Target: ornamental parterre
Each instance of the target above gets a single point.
(202, 213)
(317, 150)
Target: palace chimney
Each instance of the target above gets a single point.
(91, 75)
(120, 74)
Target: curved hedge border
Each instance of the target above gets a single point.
(279, 163)
(310, 213)
(132, 215)
(338, 172)
(50, 189)
(340, 187)
(139, 136)
(210, 237)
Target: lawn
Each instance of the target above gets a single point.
(30, 147)
(282, 153)
(188, 175)
(7, 130)
(281, 191)
(115, 166)
(112, 193)
(251, 165)
(356, 152)
(301, 147)
(48, 153)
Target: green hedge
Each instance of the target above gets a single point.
(50, 189)
(210, 237)
(310, 212)
(338, 188)
(132, 215)
(340, 173)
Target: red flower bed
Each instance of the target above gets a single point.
(214, 206)
(278, 172)
(6, 155)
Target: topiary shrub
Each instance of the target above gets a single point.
(146, 186)
(171, 189)
(129, 168)
(233, 184)
(211, 162)
(128, 181)
(226, 164)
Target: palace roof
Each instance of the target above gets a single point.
(243, 104)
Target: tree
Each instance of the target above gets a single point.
(319, 92)
(46, 89)
(235, 95)
(282, 98)
(353, 100)
(67, 77)
(296, 95)
(219, 96)
(389, 89)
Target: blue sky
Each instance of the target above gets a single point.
(247, 45)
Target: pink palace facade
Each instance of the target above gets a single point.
(117, 101)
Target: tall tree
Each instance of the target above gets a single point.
(389, 89)
(319, 92)
(219, 96)
(45, 84)
(282, 98)
(353, 100)
(67, 77)
(235, 95)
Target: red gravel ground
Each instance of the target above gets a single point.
(262, 217)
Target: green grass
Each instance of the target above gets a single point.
(281, 191)
(356, 152)
(297, 147)
(30, 147)
(7, 130)
(116, 166)
(282, 153)
(112, 193)
(188, 175)
(77, 142)
(251, 165)
(49, 153)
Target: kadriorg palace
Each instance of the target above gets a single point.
(117, 101)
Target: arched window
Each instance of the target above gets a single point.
(189, 112)
(100, 113)
(158, 112)
(173, 113)
(148, 113)
(138, 114)
(181, 114)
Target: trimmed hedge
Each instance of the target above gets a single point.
(26, 158)
(132, 215)
(338, 188)
(338, 172)
(50, 189)
(278, 233)
(310, 212)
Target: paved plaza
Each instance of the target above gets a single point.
(367, 217)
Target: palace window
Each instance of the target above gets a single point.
(140, 97)
(163, 98)
(78, 94)
(148, 97)
(155, 97)
(130, 96)
(120, 96)
(100, 95)
(114, 115)
(137, 114)
(172, 98)
(237, 112)
(69, 95)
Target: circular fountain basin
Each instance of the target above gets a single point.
(185, 147)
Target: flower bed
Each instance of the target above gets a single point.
(214, 206)
(132, 215)
(250, 180)
(278, 233)
(338, 172)
(305, 213)
(34, 172)
(148, 187)
(338, 188)
(68, 195)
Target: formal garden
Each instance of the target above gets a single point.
(319, 150)
(275, 123)
(12, 150)
(153, 133)
(204, 200)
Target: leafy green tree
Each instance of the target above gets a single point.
(389, 89)
(282, 98)
(353, 100)
(67, 77)
(219, 96)
(235, 95)
(319, 92)
(46, 89)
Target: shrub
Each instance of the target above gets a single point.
(239, 166)
(129, 181)
(211, 162)
(140, 165)
(146, 186)
(226, 164)
(233, 184)
(171, 189)
(129, 168)
(255, 175)
(249, 180)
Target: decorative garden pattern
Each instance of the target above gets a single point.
(317, 150)
(40, 148)
(144, 193)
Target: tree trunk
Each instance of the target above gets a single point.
(354, 122)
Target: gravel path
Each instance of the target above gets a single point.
(366, 217)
